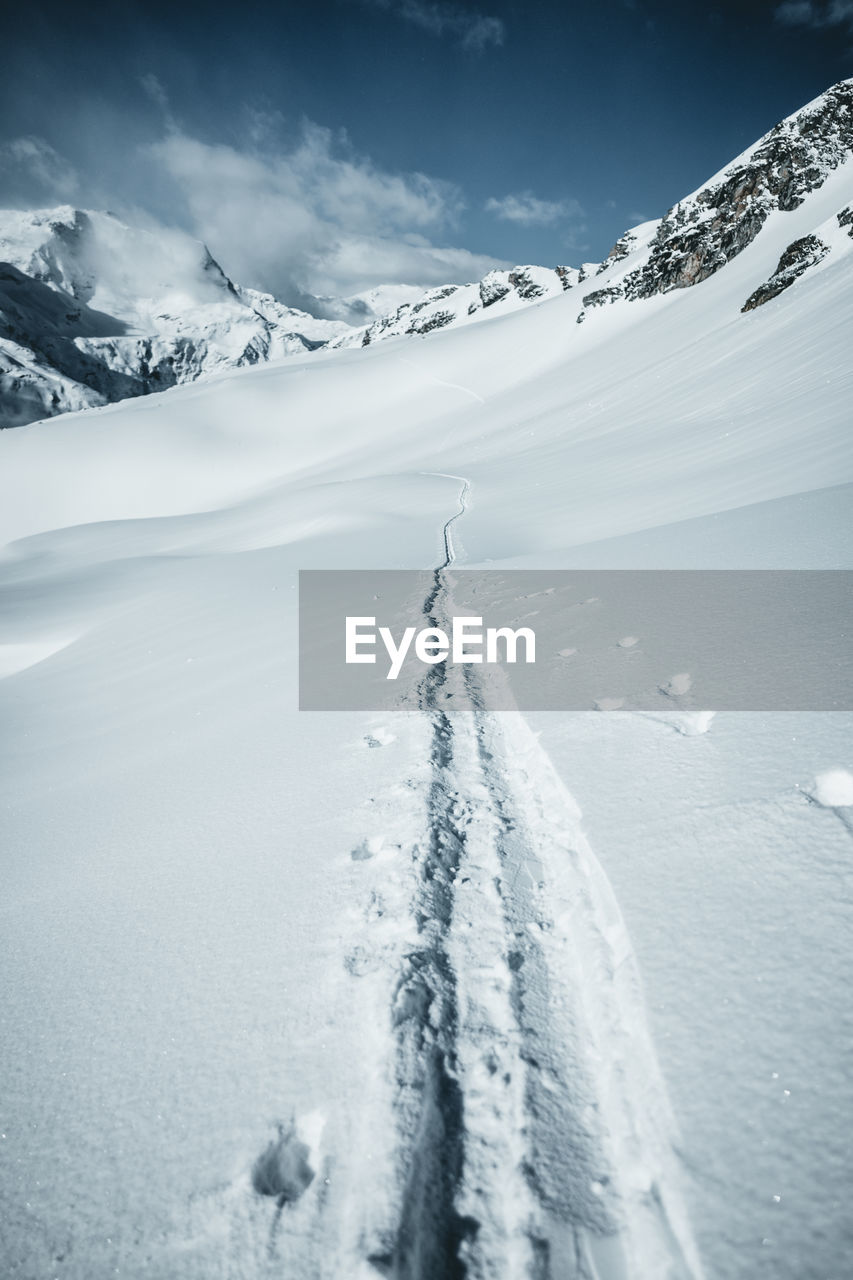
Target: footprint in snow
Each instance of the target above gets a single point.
(609, 704)
(677, 686)
(379, 738)
(367, 849)
(375, 908)
(283, 1170)
(361, 961)
(372, 847)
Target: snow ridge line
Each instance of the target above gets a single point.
(534, 1135)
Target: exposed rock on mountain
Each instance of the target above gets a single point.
(797, 258)
(710, 227)
(623, 246)
(93, 311)
(688, 245)
(600, 297)
(496, 293)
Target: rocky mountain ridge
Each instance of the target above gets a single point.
(703, 232)
(92, 311)
(450, 305)
(696, 238)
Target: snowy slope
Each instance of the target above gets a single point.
(93, 311)
(241, 957)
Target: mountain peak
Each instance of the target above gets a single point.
(93, 310)
(705, 230)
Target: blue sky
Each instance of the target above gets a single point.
(326, 146)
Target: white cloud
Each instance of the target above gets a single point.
(155, 91)
(315, 218)
(473, 31)
(35, 172)
(529, 211)
(803, 13)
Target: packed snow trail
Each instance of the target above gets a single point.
(447, 530)
(534, 1138)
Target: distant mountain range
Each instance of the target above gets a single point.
(93, 311)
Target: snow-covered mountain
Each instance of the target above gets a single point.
(430, 992)
(361, 309)
(694, 239)
(451, 305)
(93, 311)
(709, 228)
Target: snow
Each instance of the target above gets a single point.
(678, 685)
(245, 944)
(369, 305)
(834, 788)
(108, 310)
(448, 307)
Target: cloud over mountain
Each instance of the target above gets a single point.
(314, 217)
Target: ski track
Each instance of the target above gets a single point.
(534, 1139)
(528, 1132)
(440, 382)
(447, 529)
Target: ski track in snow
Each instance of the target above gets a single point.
(527, 1133)
(513, 1124)
(440, 382)
(447, 530)
(533, 1137)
